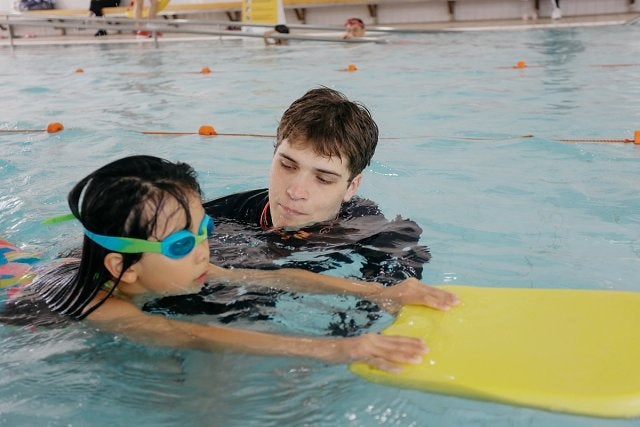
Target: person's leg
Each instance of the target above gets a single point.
(153, 9)
(95, 9)
(556, 13)
(137, 14)
(137, 11)
(527, 9)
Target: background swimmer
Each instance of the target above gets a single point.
(354, 27)
(279, 29)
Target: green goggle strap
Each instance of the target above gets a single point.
(58, 218)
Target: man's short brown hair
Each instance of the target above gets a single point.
(325, 120)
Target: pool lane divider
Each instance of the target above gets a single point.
(635, 140)
(522, 64)
(208, 130)
(51, 128)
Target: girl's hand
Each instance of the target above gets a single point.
(380, 351)
(413, 291)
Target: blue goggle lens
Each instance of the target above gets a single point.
(180, 248)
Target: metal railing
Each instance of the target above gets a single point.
(175, 26)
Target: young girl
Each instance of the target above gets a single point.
(146, 236)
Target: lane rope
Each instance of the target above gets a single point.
(635, 140)
(51, 128)
(208, 130)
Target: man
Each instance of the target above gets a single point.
(309, 217)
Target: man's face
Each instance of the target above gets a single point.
(306, 188)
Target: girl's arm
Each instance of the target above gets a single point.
(409, 291)
(383, 352)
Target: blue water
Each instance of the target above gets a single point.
(496, 208)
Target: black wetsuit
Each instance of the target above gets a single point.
(361, 239)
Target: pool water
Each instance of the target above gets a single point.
(469, 150)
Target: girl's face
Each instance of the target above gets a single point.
(159, 274)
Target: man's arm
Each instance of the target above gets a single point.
(244, 207)
(390, 249)
(295, 280)
(394, 253)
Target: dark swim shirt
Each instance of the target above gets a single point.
(359, 244)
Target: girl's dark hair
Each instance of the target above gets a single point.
(123, 199)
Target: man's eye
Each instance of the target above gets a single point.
(324, 180)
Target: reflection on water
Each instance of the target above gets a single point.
(58, 376)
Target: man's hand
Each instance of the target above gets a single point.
(413, 291)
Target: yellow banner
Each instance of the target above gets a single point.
(260, 11)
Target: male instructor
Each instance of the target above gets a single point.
(309, 217)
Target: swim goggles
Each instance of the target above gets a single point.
(176, 245)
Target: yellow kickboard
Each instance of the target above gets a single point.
(575, 351)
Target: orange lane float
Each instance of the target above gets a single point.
(203, 70)
(519, 65)
(207, 130)
(350, 68)
(54, 127)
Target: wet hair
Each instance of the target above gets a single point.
(325, 120)
(354, 21)
(282, 29)
(124, 199)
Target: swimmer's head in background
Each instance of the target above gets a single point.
(282, 29)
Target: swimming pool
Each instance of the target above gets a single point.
(497, 208)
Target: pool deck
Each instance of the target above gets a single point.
(125, 35)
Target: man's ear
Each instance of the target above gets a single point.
(113, 263)
(353, 187)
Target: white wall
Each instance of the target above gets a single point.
(6, 6)
(464, 10)
(591, 7)
(487, 9)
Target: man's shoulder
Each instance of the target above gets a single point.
(358, 207)
(245, 206)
